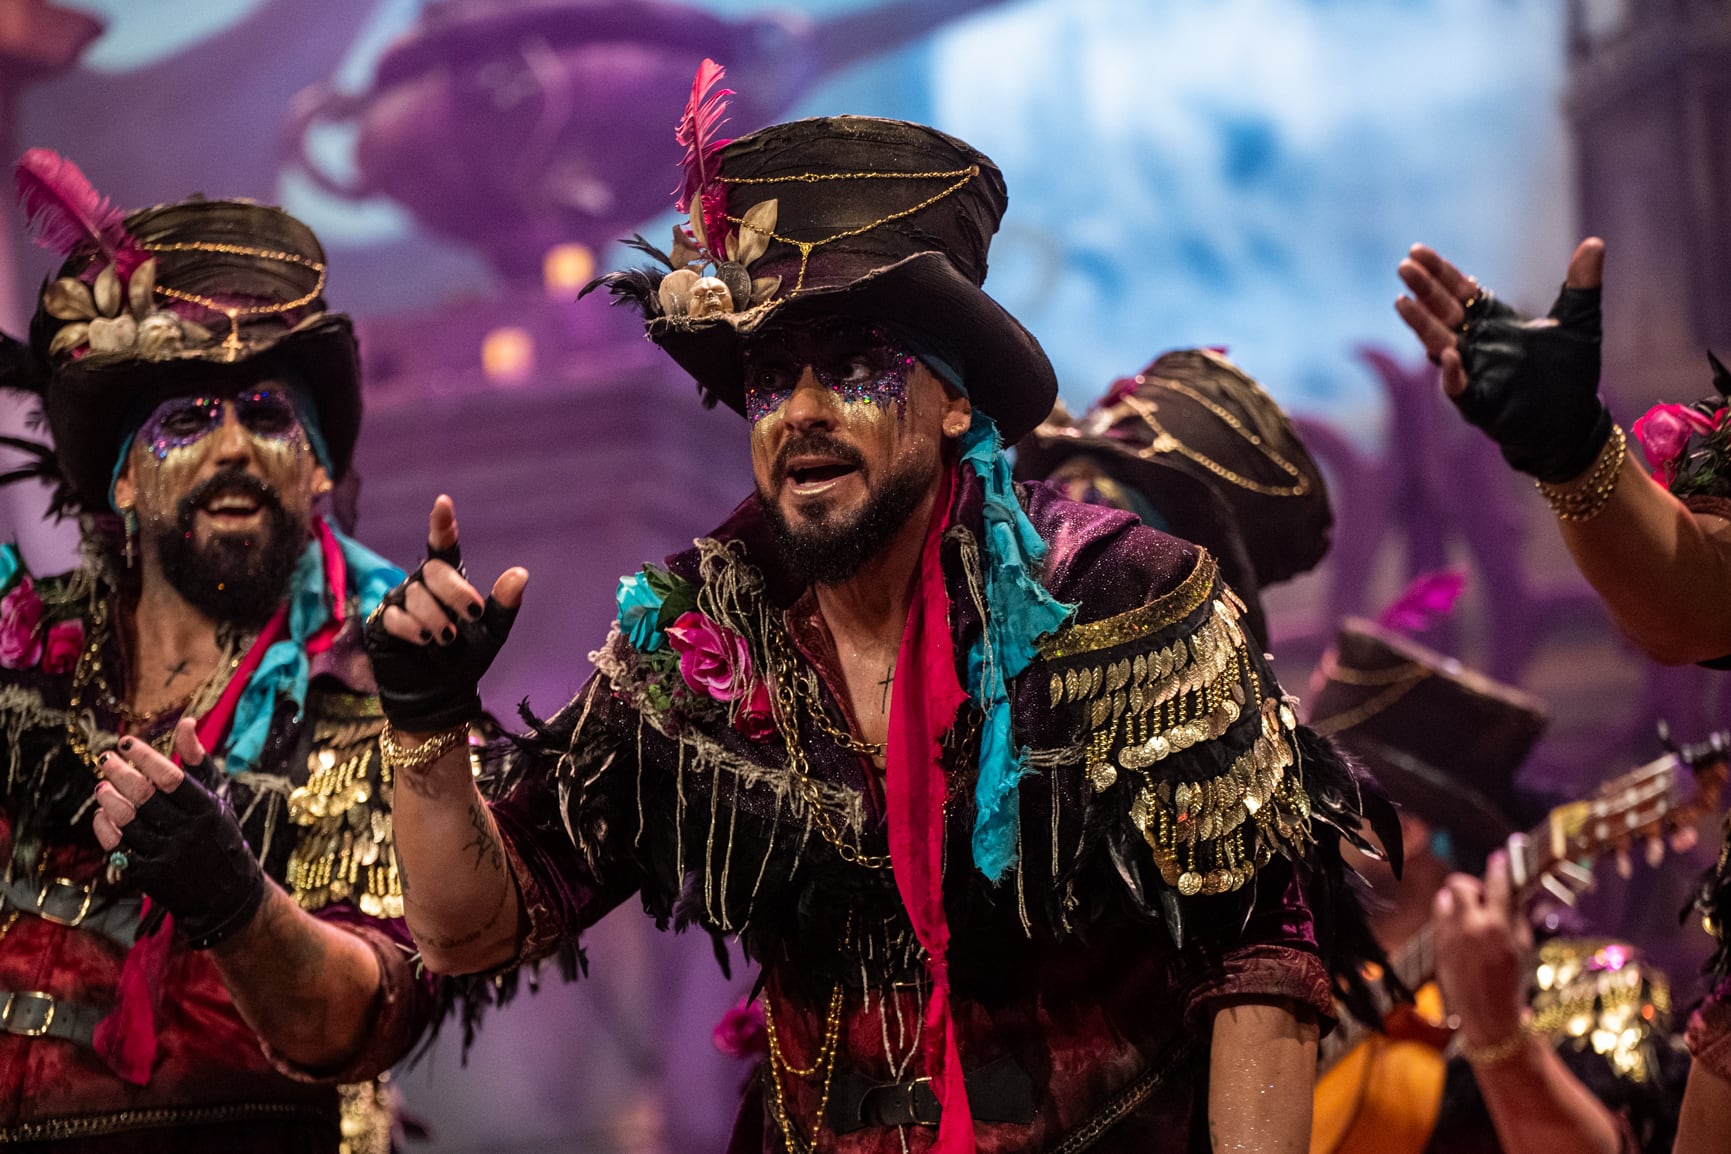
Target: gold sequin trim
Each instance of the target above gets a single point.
(1596, 993)
(1161, 613)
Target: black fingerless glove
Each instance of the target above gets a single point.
(1533, 385)
(186, 851)
(424, 688)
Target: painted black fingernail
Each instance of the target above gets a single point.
(475, 611)
(426, 635)
(447, 634)
(126, 744)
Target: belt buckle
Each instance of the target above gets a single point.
(35, 998)
(86, 894)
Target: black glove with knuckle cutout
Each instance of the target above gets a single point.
(1533, 383)
(428, 687)
(186, 851)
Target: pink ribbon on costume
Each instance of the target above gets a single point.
(928, 696)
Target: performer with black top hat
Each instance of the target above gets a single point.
(1657, 547)
(1026, 839)
(1565, 1047)
(201, 944)
(1196, 448)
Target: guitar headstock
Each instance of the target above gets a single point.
(1646, 806)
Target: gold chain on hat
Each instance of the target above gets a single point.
(1164, 442)
(231, 344)
(1391, 683)
(961, 176)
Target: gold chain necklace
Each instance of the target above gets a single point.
(961, 176)
(1164, 442)
(789, 679)
(824, 1063)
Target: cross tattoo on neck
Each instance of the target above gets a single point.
(889, 680)
(175, 671)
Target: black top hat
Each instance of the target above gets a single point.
(1444, 740)
(206, 295)
(875, 218)
(1212, 455)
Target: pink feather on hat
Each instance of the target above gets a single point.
(1427, 598)
(65, 214)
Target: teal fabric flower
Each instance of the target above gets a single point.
(640, 612)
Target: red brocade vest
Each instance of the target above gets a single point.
(114, 1041)
(1165, 860)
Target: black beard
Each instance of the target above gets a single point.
(828, 550)
(235, 578)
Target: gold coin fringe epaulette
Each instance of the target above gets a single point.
(345, 852)
(1158, 690)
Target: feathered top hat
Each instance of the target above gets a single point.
(174, 300)
(1197, 448)
(1444, 740)
(854, 215)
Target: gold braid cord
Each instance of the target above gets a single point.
(1157, 681)
(343, 812)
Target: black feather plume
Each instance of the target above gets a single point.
(635, 286)
(1721, 375)
(637, 242)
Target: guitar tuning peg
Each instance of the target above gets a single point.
(1558, 890)
(1625, 865)
(1577, 876)
(1664, 732)
(1655, 852)
(1683, 839)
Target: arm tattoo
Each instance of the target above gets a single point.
(485, 845)
(473, 936)
(174, 672)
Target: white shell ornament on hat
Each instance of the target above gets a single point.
(702, 288)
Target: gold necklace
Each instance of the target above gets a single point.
(824, 1063)
(1164, 442)
(231, 344)
(789, 681)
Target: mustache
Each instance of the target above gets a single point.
(227, 483)
(815, 443)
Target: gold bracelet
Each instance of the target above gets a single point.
(1585, 500)
(396, 758)
(1498, 1052)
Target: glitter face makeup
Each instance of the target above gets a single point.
(268, 414)
(860, 363)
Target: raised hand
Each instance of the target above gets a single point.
(1530, 383)
(1482, 943)
(179, 842)
(435, 636)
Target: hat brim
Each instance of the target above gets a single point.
(1007, 373)
(89, 422)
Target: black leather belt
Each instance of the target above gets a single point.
(69, 903)
(999, 1091)
(32, 1014)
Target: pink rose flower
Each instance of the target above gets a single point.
(60, 648)
(1664, 432)
(755, 718)
(741, 1033)
(21, 626)
(712, 660)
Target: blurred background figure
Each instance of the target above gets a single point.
(1187, 174)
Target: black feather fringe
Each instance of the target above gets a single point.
(638, 287)
(1711, 902)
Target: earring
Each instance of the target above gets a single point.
(129, 518)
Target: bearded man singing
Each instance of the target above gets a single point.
(1022, 833)
(201, 946)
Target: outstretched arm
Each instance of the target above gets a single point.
(307, 987)
(1661, 569)
(429, 647)
(1261, 1078)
